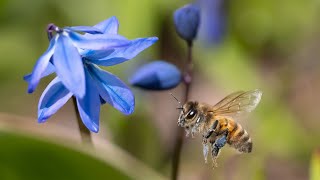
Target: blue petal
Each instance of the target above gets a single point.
(69, 66)
(87, 29)
(52, 99)
(123, 54)
(186, 21)
(95, 54)
(109, 26)
(98, 41)
(89, 105)
(113, 90)
(41, 65)
(49, 70)
(158, 75)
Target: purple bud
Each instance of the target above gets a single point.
(157, 75)
(187, 20)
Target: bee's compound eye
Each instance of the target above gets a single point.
(191, 114)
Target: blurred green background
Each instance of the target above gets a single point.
(267, 44)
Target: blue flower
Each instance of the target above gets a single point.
(72, 56)
(213, 21)
(157, 75)
(186, 20)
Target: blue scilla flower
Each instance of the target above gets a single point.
(74, 58)
(157, 75)
(213, 21)
(186, 20)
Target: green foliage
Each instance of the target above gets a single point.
(29, 158)
(272, 23)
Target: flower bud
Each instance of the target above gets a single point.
(186, 21)
(157, 75)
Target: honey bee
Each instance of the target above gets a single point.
(216, 123)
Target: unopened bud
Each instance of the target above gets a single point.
(186, 21)
(157, 75)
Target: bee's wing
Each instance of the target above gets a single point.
(238, 102)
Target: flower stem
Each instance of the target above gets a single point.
(187, 79)
(84, 132)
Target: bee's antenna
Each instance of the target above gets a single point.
(181, 108)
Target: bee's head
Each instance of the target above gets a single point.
(189, 115)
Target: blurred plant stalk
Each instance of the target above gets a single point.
(187, 80)
(186, 21)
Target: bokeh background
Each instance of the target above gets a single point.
(267, 44)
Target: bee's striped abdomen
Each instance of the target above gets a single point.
(240, 139)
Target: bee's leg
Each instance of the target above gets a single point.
(211, 129)
(217, 145)
(208, 134)
(206, 149)
(208, 140)
(220, 142)
(214, 155)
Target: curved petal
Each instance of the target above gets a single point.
(69, 66)
(157, 75)
(41, 65)
(86, 29)
(52, 99)
(96, 54)
(89, 105)
(109, 26)
(49, 70)
(98, 41)
(113, 90)
(123, 54)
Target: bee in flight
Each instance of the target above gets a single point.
(216, 124)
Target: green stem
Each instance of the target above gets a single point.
(187, 79)
(84, 132)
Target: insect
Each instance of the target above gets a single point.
(216, 123)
